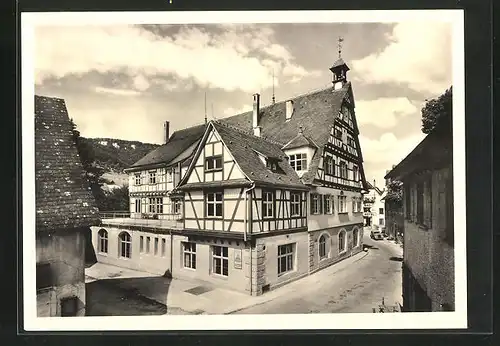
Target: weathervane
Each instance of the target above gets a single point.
(341, 39)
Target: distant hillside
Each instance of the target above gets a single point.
(116, 154)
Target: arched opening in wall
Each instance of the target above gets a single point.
(355, 237)
(342, 241)
(323, 251)
(125, 245)
(102, 241)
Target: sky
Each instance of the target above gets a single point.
(124, 81)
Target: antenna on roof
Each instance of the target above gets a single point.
(340, 40)
(205, 107)
(274, 98)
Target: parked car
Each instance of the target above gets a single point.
(376, 235)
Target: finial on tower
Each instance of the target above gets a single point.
(340, 40)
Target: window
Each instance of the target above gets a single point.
(267, 204)
(43, 275)
(367, 209)
(355, 173)
(342, 241)
(125, 245)
(177, 206)
(343, 169)
(156, 246)
(102, 241)
(169, 176)
(322, 247)
(381, 222)
(420, 202)
(189, 250)
(163, 246)
(351, 142)
(69, 306)
(148, 244)
(214, 204)
(342, 204)
(272, 165)
(137, 205)
(356, 205)
(220, 260)
(295, 204)
(338, 132)
(285, 258)
(141, 244)
(330, 166)
(138, 179)
(380, 210)
(152, 177)
(315, 203)
(213, 163)
(298, 162)
(328, 200)
(355, 237)
(156, 205)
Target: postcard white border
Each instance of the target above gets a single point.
(434, 320)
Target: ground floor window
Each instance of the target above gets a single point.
(189, 250)
(342, 241)
(125, 245)
(103, 241)
(157, 240)
(220, 260)
(355, 237)
(322, 247)
(285, 258)
(163, 246)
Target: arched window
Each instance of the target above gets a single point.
(102, 244)
(355, 237)
(125, 245)
(342, 241)
(322, 247)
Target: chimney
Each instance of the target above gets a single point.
(256, 110)
(289, 109)
(166, 131)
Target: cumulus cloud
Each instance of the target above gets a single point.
(230, 60)
(418, 56)
(233, 111)
(384, 112)
(115, 91)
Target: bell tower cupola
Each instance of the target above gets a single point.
(339, 69)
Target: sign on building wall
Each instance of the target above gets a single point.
(237, 258)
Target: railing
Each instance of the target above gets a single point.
(142, 220)
(114, 214)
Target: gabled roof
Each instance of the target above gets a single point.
(300, 141)
(434, 151)
(63, 196)
(246, 148)
(179, 142)
(373, 187)
(312, 111)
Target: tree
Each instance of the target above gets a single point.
(394, 192)
(437, 114)
(116, 200)
(93, 172)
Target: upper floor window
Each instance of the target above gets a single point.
(137, 205)
(356, 205)
(137, 179)
(330, 165)
(328, 204)
(156, 205)
(315, 203)
(294, 204)
(350, 141)
(343, 169)
(213, 163)
(169, 176)
(342, 204)
(355, 173)
(380, 210)
(338, 132)
(298, 162)
(272, 165)
(152, 177)
(214, 204)
(267, 204)
(176, 206)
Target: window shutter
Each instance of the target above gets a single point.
(311, 195)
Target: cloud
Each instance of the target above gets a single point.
(114, 91)
(418, 56)
(384, 112)
(229, 60)
(233, 111)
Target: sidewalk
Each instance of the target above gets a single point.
(215, 300)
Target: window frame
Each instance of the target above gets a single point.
(223, 258)
(214, 202)
(344, 204)
(124, 246)
(288, 256)
(102, 239)
(295, 204)
(343, 170)
(266, 203)
(189, 249)
(355, 237)
(316, 202)
(137, 205)
(137, 179)
(295, 159)
(355, 173)
(328, 209)
(322, 251)
(342, 244)
(152, 177)
(214, 159)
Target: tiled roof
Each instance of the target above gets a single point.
(373, 187)
(245, 147)
(178, 143)
(63, 197)
(435, 150)
(300, 141)
(312, 111)
(339, 62)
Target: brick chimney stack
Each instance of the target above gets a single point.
(166, 131)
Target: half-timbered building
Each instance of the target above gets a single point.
(265, 197)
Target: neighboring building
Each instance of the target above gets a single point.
(373, 207)
(428, 265)
(394, 217)
(65, 209)
(252, 201)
